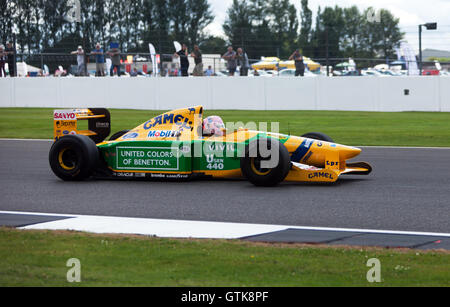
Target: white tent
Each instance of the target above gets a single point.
(382, 67)
(23, 69)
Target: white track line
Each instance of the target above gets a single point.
(182, 229)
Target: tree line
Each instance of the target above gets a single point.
(45, 26)
(261, 27)
(274, 27)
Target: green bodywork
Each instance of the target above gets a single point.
(173, 156)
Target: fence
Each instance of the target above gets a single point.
(68, 62)
(393, 94)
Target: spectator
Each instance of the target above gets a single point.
(184, 61)
(299, 65)
(114, 53)
(242, 61)
(99, 61)
(60, 72)
(2, 61)
(134, 73)
(209, 72)
(230, 56)
(197, 54)
(11, 60)
(80, 61)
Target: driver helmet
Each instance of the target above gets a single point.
(213, 125)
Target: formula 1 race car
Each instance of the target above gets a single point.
(174, 146)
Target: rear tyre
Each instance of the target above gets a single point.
(118, 135)
(252, 163)
(318, 136)
(74, 158)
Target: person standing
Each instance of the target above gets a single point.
(209, 72)
(299, 65)
(99, 61)
(11, 59)
(197, 55)
(242, 61)
(184, 60)
(80, 61)
(114, 53)
(2, 61)
(230, 56)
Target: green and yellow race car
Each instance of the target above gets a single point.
(182, 145)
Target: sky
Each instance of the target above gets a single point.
(411, 14)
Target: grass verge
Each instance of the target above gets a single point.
(38, 258)
(350, 128)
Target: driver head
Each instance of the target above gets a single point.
(213, 125)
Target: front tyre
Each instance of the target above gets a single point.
(74, 158)
(318, 136)
(261, 152)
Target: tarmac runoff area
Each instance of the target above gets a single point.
(404, 203)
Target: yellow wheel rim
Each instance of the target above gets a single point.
(256, 170)
(61, 160)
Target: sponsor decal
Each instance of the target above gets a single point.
(102, 125)
(130, 175)
(163, 134)
(221, 147)
(308, 143)
(73, 133)
(65, 115)
(124, 175)
(332, 163)
(214, 164)
(170, 176)
(148, 159)
(158, 176)
(321, 175)
(185, 149)
(65, 132)
(130, 136)
(170, 118)
(302, 150)
(66, 124)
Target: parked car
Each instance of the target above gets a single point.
(390, 73)
(371, 73)
(291, 73)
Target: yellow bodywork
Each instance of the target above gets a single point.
(312, 66)
(66, 122)
(276, 64)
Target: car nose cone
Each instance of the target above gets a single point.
(348, 153)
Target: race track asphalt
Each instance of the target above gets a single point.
(409, 190)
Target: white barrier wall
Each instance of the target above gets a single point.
(346, 93)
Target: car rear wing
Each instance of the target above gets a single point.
(67, 122)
